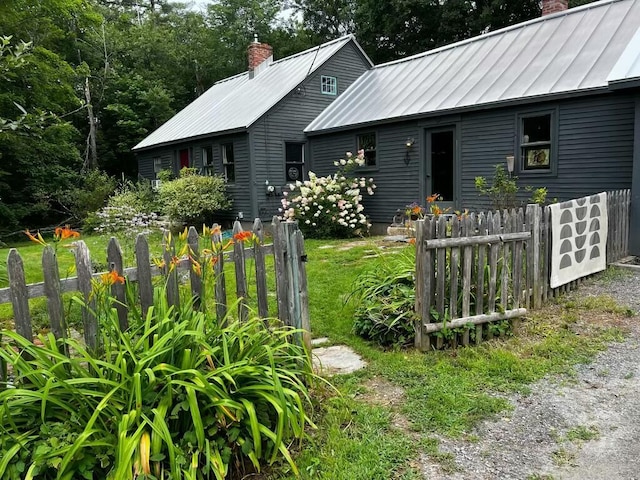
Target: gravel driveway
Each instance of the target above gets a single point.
(585, 427)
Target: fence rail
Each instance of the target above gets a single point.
(493, 266)
(289, 272)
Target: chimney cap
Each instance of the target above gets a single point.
(554, 6)
(255, 38)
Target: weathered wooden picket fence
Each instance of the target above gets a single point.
(289, 269)
(485, 268)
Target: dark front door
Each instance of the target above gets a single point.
(184, 158)
(441, 160)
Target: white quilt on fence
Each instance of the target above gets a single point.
(578, 238)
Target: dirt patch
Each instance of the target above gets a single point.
(584, 426)
(381, 392)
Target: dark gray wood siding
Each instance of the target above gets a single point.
(239, 190)
(595, 140)
(634, 231)
(286, 121)
(397, 184)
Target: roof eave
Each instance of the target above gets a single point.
(232, 131)
(626, 83)
(471, 108)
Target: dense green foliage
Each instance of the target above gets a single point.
(177, 396)
(193, 198)
(385, 299)
(83, 81)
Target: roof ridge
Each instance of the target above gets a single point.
(517, 26)
(344, 39)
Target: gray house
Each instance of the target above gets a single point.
(249, 127)
(560, 94)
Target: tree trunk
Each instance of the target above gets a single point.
(91, 154)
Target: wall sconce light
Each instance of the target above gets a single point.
(271, 190)
(409, 144)
(510, 164)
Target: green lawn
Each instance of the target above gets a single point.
(444, 392)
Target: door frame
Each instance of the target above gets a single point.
(425, 164)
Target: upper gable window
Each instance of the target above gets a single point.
(328, 85)
(367, 142)
(536, 141)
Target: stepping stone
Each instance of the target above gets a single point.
(338, 359)
(319, 341)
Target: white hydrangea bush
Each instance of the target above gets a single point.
(330, 207)
(125, 219)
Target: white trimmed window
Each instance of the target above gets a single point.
(367, 142)
(228, 162)
(157, 166)
(537, 142)
(207, 161)
(328, 85)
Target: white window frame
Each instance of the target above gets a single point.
(157, 165)
(328, 85)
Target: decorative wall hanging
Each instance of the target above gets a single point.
(578, 238)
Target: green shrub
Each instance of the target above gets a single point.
(138, 195)
(89, 196)
(503, 190)
(178, 396)
(193, 198)
(385, 299)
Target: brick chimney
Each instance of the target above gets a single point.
(554, 6)
(258, 53)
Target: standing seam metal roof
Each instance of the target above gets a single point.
(570, 51)
(237, 102)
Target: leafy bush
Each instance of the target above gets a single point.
(330, 207)
(385, 299)
(178, 396)
(193, 198)
(503, 190)
(130, 210)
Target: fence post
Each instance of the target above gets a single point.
(114, 257)
(241, 273)
(420, 286)
(261, 269)
(53, 293)
(291, 275)
(195, 267)
(143, 269)
(280, 266)
(218, 269)
(85, 274)
(533, 254)
(170, 271)
(19, 294)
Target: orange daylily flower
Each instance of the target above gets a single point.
(158, 262)
(433, 197)
(436, 210)
(243, 236)
(111, 278)
(37, 238)
(417, 210)
(196, 266)
(412, 241)
(62, 233)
